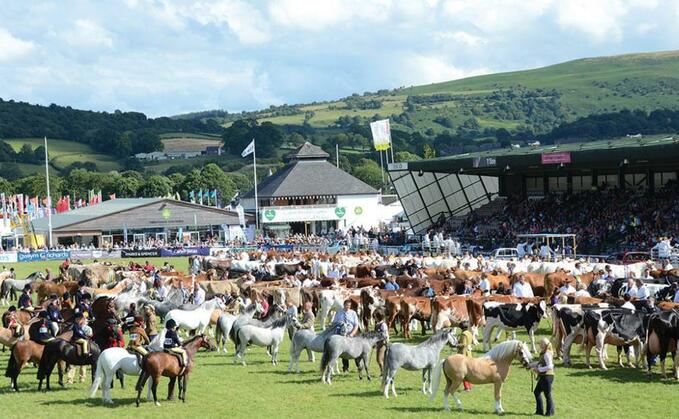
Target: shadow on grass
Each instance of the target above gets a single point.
(439, 409)
(621, 375)
(97, 402)
(368, 393)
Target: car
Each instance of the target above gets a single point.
(506, 253)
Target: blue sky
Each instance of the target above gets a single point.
(164, 57)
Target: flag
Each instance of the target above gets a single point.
(4, 208)
(200, 197)
(381, 132)
(192, 197)
(270, 172)
(249, 149)
(98, 198)
(20, 205)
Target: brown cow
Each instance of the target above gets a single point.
(451, 309)
(415, 308)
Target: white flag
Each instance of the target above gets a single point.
(381, 134)
(249, 149)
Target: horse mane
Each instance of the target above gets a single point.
(442, 335)
(192, 339)
(279, 323)
(370, 335)
(503, 351)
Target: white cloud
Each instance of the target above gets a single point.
(461, 37)
(87, 33)
(246, 22)
(425, 69)
(601, 20)
(492, 16)
(317, 15)
(12, 48)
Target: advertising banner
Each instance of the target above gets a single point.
(141, 253)
(484, 162)
(556, 158)
(40, 256)
(292, 214)
(8, 257)
(187, 251)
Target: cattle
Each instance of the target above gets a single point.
(370, 301)
(565, 320)
(662, 337)
(415, 308)
(452, 309)
(511, 317)
(619, 327)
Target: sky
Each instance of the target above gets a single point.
(166, 57)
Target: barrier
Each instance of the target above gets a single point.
(8, 257)
(45, 255)
(141, 253)
(187, 251)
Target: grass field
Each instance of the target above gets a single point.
(63, 153)
(218, 388)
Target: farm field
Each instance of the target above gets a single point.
(218, 388)
(62, 153)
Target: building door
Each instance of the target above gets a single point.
(139, 238)
(194, 236)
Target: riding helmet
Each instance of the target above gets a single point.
(27, 287)
(171, 324)
(11, 309)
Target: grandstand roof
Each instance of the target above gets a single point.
(646, 151)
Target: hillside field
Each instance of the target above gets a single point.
(217, 388)
(62, 153)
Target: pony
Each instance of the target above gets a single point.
(493, 367)
(223, 330)
(62, 350)
(261, 336)
(198, 319)
(24, 351)
(113, 360)
(157, 364)
(309, 340)
(346, 347)
(9, 287)
(412, 358)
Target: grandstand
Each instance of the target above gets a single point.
(488, 192)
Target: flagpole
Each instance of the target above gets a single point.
(49, 197)
(254, 165)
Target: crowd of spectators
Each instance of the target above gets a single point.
(605, 220)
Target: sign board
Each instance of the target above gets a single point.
(292, 214)
(556, 158)
(398, 166)
(8, 257)
(484, 162)
(40, 256)
(141, 253)
(187, 251)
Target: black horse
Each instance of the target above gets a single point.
(62, 350)
(290, 268)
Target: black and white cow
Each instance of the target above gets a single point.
(619, 327)
(512, 317)
(663, 336)
(566, 319)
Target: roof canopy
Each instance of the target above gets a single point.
(308, 151)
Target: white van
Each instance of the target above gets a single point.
(506, 253)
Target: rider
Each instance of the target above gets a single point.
(172, 343)
(80, 292)
(137, 337)
(66, 301)
(80, 338)
(84, 306)
(12, 322)
(464, 347)
(44, 334)
(54, 314)
(114, 336)
(25, 300)
(63, 268)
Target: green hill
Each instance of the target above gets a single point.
(537, 99)
(62, 153)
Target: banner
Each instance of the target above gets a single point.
(381, 134)
(187, 251)
(484, 162)
(279, 247)
(285, 215)
(249, 149)
(142, 253)
(556, 158)
(41, 256)
(8, 257)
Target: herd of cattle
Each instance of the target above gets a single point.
(587, 321)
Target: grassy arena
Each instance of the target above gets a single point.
(218, 388)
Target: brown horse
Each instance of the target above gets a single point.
(23, 352)
(157, 364)
(45, 289)
(493, 367)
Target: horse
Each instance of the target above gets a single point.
(346, 347)
(198, 319)
(261, 336)
(421, 357)
(493, 367)
(24, 351)
(309, 340)
(113, 360)
(223, 330)
(62, 350)
(10, 286)
(157, 364)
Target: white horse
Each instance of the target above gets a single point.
(223, 330)
(260, 336)
(307, 339)
(113, 360)
(198, 319)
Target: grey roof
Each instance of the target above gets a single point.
(310, 178)
(95, 215)
(308, 151)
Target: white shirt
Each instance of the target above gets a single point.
(199, 296)
(676, 297)
(567, 289)
(629, 305)
(642, 292)
(582, 293)
(522, 290)
(484, 285)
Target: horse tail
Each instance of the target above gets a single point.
(44, 362)
(325, 359)
(386, 365)
(99, 376)
(436, 379)
(12, 367)
(218, 332)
